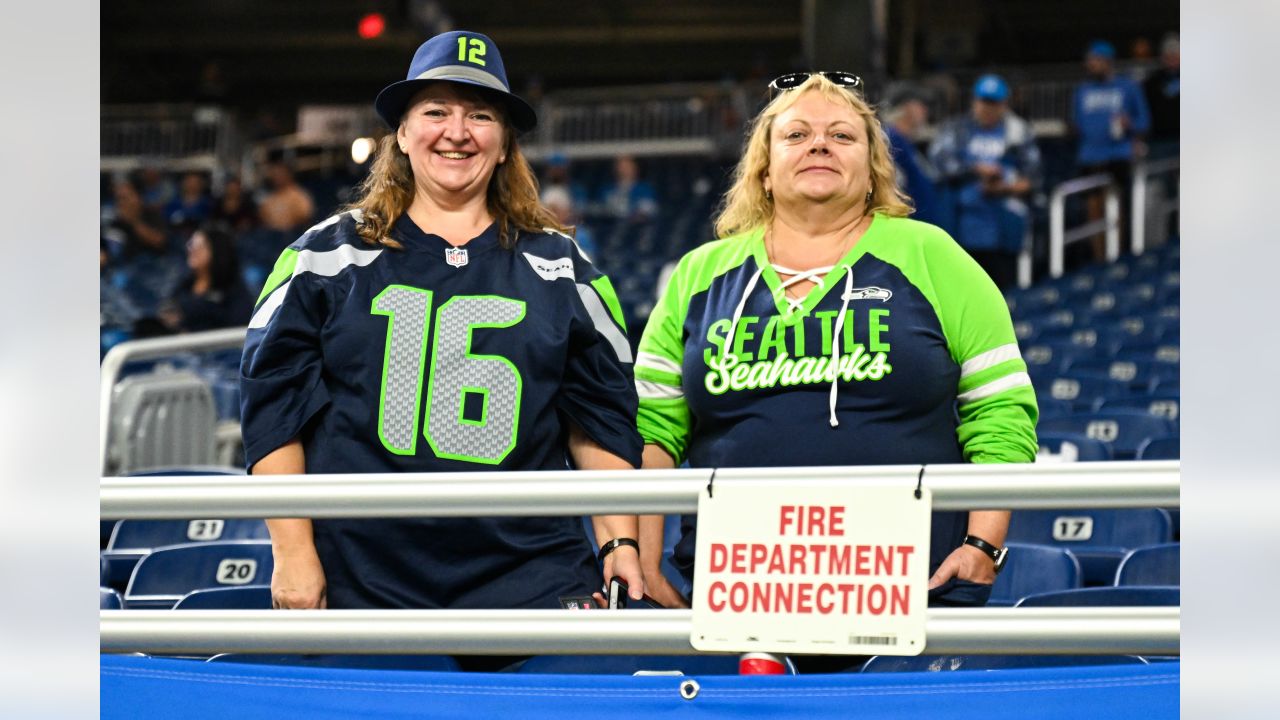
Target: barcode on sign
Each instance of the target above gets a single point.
(873, 639)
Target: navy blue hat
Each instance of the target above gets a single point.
(460, 57)
(1102, 49)
(991, 87)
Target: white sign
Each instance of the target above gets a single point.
(1072, 529)
(799, 568)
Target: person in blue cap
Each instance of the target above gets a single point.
(444, 322)
(990, 164)
(1110, 117)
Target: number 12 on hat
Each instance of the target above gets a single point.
(471, 50)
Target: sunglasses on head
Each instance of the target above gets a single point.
(791, 81)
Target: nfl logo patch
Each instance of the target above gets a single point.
(456, 257)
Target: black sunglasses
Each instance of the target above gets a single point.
(791, 81)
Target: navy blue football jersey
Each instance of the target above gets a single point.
(432, 358)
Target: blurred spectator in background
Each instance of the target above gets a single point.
(134, 228)
(193, 205)
(286, 207)
(1110, 117)
(558, 178)
(212, 294)
(235, 208)
(991, 164)
(906, 115)
(116, 310)
(628, 197)
(156, 189)
(558, 201)
(1162, 91)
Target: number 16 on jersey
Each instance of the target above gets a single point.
(458, 380)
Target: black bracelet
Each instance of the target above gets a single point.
(616, 543)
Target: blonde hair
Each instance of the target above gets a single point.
(512, 194)
(746, 205)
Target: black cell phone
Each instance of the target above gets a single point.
(617, 593)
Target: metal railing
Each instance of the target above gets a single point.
(949, 630)
(1057, 631)
(1142, 173)
(1060, 235)
(493, 494)
(150, 349)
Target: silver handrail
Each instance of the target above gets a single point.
(1142, 172)
(1058, 631)
(492, 494)
(149, 349)
(1059, 236)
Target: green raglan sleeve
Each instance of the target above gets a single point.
(663, 418)
(995, 400)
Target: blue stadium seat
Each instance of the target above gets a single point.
(431, 663)
(134, 539)
(1070, 447)
(948, 663)
(1082, 390)
(248, 597)
(105, 528)
(1165, 405)
(1032, 569)
(632, 664)
(109, 599)
(149, 534)
(1153, 565)
(164, 576)
(1133, 596)
(1166, 447)
(1098, 538)
(1123, 430)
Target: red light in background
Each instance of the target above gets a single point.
(371, 26)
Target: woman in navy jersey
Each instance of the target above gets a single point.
(443, 323)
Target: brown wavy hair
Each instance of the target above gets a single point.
(747, 206)
(512, 194)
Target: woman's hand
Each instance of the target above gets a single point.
(297, 582)
(663, 592)
(965, 563)
(623, 562)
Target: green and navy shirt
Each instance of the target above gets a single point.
(440, 359)
(924, 362)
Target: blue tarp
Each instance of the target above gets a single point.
(141, 687)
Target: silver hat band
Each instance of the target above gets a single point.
(462, 72)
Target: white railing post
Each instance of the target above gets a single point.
(1060, 236)
(1142, 173)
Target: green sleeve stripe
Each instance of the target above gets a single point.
(1000, 428)
(991, 374)
(605, 289)
(667, 378)
(280, 274)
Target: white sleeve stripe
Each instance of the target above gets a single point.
(989, 359)
(995, 386)
(603, 321)
(657, 391)
(269, 307)
(657, 362)
(327, 263)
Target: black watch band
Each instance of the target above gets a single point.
(616, 543)
(997, 554)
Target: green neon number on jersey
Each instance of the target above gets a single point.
(455, 373)
(402, 364)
